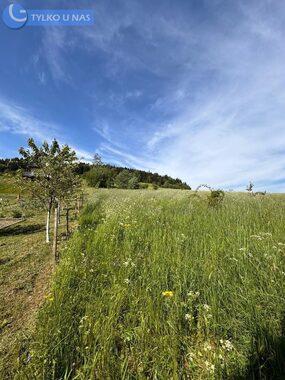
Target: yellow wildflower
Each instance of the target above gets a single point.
(49, 297)
(168, 293)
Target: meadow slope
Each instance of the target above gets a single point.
(157, 285)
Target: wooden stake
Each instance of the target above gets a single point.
(55, 233)
(67, 222)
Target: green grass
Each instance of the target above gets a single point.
(8, 185)
(26, 264)
(223, 318)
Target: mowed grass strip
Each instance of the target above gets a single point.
(157, 285)
(25, 265)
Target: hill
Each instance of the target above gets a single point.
(104, 175)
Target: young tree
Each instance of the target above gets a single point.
(97, 160)
(249, 187)
(52, 178)
(133, 182)
(122, 179)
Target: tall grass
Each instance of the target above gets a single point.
(157, 285)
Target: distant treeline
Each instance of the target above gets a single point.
(108, 176)
(11, 164)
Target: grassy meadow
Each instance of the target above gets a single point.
(157, 285)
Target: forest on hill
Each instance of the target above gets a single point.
(103, 175)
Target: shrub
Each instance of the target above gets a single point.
(16, 214)
(100, 176)
(216, 198)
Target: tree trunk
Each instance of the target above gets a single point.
(48, 222)
(55, 233)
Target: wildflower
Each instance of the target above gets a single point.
(207, 346)
(266, 234)
(127, 281)
(193, 294)
(168, 293)
(206, 307)
(191, 356)
(188, 317)
(49, 297)
(227, 345)
(210, 367)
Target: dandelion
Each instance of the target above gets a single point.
(49, 297)
(168, 293)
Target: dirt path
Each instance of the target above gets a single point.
(5, 223)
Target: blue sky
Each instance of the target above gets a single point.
(190, 88)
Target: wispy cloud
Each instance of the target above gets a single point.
(222, 112)
(18, 120)
(192, 90)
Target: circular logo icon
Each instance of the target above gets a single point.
(15, 16)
